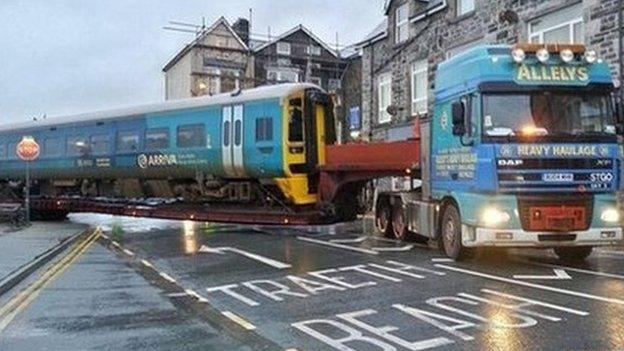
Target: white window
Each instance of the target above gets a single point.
(315, 80)
(214, 82)
(402, 23)
(283, 48)
(385, 97)
(282, 76)
(564, 27)
(465, 6)
(314, 50)
(420, 87)
(334, 84)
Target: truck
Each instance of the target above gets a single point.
(522, 149)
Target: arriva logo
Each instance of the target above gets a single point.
(147, 161)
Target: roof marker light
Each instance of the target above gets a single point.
(567, 55)
(518, 55)
(591, 56)
(543, 55)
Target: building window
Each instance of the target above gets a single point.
(465, 7)
(214, 82)
(157, 139)
(100, 144)
(282, 76)
(192, 135)
(564, 27)
(283, 48)
(52, 147)
(402, 23)
(385, 97)
(127, 142)
(315, 80)
(460, 49)
(335, 84)
(313, 50)
(264, 129)
(420, 87)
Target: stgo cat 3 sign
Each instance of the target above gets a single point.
(28, 149)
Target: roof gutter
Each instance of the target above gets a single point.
(429, 12)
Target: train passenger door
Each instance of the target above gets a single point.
(232, 141)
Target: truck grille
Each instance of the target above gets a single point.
(556, 213)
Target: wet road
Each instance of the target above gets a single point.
(228, 287)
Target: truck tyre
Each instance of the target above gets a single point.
(450, 234)
(383, 219)
(398, 221)
(573, 254)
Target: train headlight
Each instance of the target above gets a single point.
(567, 55)
(518, 55)
(492, 217)
(591, 56)
(610, 215)
(542, 55)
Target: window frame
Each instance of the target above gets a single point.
(160, 130)
(103, 152)
(264, 129)
(71, 147)
(46, 154)
(283, 48)
(570, 24)
(383, 116)
(399, 24)
(136, 133)
(192, 127)
(418, 68)
(459, 8)
(313, 50)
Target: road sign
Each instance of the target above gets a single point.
(28, 149)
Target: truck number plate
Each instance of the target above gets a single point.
(558, 177)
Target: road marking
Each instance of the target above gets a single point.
(167, 277)
(338, 246)
(357, 240)
(609, 252)
(586, 271)
(128, 252)
(147, 264)
(268, 261)
(442, 260)
(196, 295)
(560, 274)
(416, 268)
(532, 285)
(16, 305)
(116, 244)
(393, 249)
(178, 294)
(239, 320)
(546, 304)
(104, 236)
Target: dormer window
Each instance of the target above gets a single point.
(283, 48)
(402, 23)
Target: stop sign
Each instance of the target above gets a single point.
(28, 149)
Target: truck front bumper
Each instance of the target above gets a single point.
(476, 237)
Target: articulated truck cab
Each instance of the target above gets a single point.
(521, 150)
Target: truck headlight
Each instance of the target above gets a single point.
(610, 215)
(492, 216)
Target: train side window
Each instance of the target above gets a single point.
(12, 151)
(264, 129)
(295, 121)
(127, 142)
(76, 146)
(100, 144)
(238, 132)
(3, 153)
(52, 147)
(157, 139)
(192, 135)
(226, 133)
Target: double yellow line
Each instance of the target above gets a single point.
(18, 303)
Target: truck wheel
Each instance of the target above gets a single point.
(450, 234)
(398, 221)
(383, 219)
(573, 254)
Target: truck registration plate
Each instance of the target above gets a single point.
(558, 177)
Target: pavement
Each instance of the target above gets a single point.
(224, 287)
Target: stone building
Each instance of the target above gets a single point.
(401, 55)
(217, 61)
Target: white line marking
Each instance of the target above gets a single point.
(116, 244)
(586, 271)
(609, 252)
(393, 249)
(167, 277)
(560, 274)
(556, 307)
(128, 252)
(357, 240)
(180, 294)
(268, 261)
(532, 285)
(442, 260)
(196, 295)
(147, 264)
(238, 320)
(416, 268)
(104, 236)
(338, 246)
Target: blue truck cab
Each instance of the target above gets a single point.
(522, 150)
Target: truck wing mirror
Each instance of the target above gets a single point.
(458, 112)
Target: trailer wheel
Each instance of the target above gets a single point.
(398, 221)
(383, 219)
(573, 254)
(450, 234)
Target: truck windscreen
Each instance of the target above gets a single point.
(547, 115)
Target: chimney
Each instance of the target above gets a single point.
(241, 27)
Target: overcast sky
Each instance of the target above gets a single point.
(63, 57)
